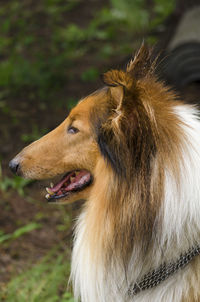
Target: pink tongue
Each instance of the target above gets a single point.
(61, 183)
(78, 180)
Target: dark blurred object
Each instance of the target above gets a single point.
(181, 65)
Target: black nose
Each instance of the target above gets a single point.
(14, 165)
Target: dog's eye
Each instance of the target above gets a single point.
(72, 130)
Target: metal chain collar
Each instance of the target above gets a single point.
(160, 274)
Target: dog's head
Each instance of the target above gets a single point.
(119, 123)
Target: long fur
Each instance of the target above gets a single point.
(144, 207)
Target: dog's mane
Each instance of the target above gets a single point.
(137, 136)
(143, 133)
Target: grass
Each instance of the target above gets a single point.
(16, 182)
(19, 232)
(45, 281)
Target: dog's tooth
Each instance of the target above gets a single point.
(47, 196)
(51, 185)
(72, 178)
(49, 191)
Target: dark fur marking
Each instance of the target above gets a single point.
(134, 151)
(105, 137)
(112, 151)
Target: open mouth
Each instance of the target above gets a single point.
(72, 182)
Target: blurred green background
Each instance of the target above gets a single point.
(52, 53)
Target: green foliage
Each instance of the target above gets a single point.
(162, 9)
(71, 102)
(38, 45)
(66, 222)
(34, 135)
(19, 232)
(138, 16)
(89, 75)
(16, 182)
(134, 13)
(45, 281)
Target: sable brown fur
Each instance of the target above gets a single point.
(133, 140)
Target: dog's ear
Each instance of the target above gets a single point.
(119, 83)
(121, 135)
(114, 78)
(125, 85)
(117, 94)
(110, 137)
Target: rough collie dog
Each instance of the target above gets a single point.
(132, 151)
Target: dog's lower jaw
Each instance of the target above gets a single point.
(76, 196)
